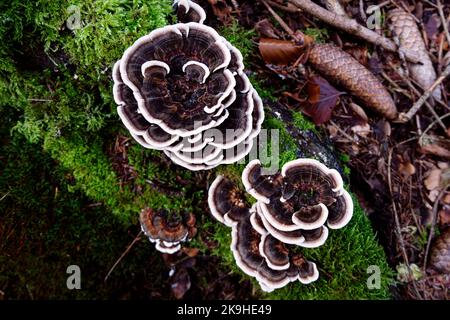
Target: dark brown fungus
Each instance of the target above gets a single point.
(167, 230)
(182, 89)
(291, 209)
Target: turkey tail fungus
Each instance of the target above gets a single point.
(291, 211)
(182, 89)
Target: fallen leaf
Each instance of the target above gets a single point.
(322, 98)
(433, 179)
(359, 111)
(280, 52)
(191, 252)
(436, 150)
(407, 169)
(361, 130)
(181, 283)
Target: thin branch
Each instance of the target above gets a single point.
(350, 26)
(431, 126)
(444, 20)
(419, 103)
(289, 8)
(136, 239)
(280, 21)
(5, 195)
(397, 221)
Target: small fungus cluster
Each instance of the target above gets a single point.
(167, 230)
(182, 89)
(291, 211)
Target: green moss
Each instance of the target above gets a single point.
(70, 112)
(319, 35)
(345, 277)
(240, 38)
(301, 122)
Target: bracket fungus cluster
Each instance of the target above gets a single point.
(167, 230)
(182, 89)
(291, 211)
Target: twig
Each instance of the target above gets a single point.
(433, 225)
(427, 104)
(397, 221)
(444, 20)
(5, 195)
(431, 126)
(345, 134)
(288, 8)
(419, 103)
(350, 26)
(280, 21)
(136, 239)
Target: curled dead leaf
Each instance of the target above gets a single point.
(282, 52)
(407, 169)
(322, 98)
(361, 130)
(359, 111)
(433, 178)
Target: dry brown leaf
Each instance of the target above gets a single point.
(433, 179)
(190, 252)
(322, 98)
(280, 52)
(359, 111)
(361, 130)
(339, 66)
(407, 169)
(181, 283)
(436, 150)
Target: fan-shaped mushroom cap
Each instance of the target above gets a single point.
(189, 11)
(274, 252)
(225, 201)
(340, 212)
(165, 230)
(306, 270)
(260, 186)
(182, 89)
(266, 259)
(292, 208)
(301, 198)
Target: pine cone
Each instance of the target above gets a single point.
(341, 67)
(440, 253)
(409, 38)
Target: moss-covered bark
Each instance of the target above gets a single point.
(59, 81)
